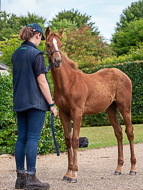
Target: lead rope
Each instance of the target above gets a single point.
(52, 121)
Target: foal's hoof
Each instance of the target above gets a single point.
(65, 178)
(132, 172)
(73, 180)
(117, 172)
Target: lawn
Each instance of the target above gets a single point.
(104, 136)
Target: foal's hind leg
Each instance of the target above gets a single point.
(66, 122)
(112, 116)
(125, 110)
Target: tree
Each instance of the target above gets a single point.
(128, 37)
(58, 25)
(11, 24)
(31, 18)
(85, 48)
(75, 17)
(134, 12)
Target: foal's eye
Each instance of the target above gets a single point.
(48, 45)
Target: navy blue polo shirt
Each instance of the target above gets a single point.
(39, 65)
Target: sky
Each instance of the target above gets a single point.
(105, 13)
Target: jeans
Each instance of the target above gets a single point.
(30, 124)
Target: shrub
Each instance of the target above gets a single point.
(8, 124)
(134, 54)
(8, 129)
(10, 45)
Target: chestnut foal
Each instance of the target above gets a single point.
(77, 94)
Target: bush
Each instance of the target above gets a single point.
(8, 129)
(8, 124)
(10, 45)
(134, 54)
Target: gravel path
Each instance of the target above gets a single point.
(96, 168)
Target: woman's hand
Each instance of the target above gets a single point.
(54, 110)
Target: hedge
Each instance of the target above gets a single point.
(8, 124)
(135, 72)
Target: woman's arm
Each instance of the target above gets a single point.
(46, 91)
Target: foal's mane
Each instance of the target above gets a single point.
(71, 63)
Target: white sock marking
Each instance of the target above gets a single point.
(76, 174)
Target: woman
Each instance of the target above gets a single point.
(32, 98)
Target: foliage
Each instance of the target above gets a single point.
(91, 53)
(8, 25)
(100, 119)
(11, 24)
(8, 129)
(75, 17)
(135, 72)
(10, 45)
(31, 18)
(8, 124)
(128, 37)
(132, 13)
(84, 48)
(134, 54)
(84, 52)
(64, 23)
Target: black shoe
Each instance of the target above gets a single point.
(20, 181)
(33, 183)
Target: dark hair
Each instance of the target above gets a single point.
(27, 33)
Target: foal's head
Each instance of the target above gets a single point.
(53, 47)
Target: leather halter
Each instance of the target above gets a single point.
(49, 54)
(52, 52)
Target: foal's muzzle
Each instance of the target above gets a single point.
(56, 60)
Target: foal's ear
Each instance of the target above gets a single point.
(47, 31)
(61, 32)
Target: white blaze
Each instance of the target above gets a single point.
(55, 44)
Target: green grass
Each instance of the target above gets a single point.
(104, 136)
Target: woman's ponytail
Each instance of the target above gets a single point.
(26, 33)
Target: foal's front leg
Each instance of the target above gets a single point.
(66, 122)
(77, 118)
